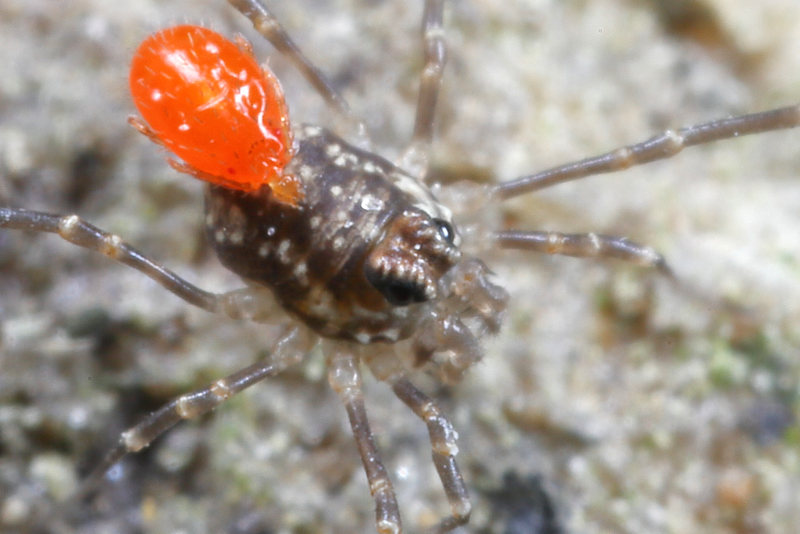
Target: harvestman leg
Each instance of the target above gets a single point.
(345, 379)
(270, 28)
(239, 304)
(415, 158)
(661, 146)
(589, 245)
(75, 230)
(444, 450)
(288, 351)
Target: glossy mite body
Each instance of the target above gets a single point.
(209, 102)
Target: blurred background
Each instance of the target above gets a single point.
(611, 402)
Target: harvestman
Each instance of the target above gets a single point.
(435, 302)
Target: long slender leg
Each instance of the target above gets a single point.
(345, 379)
(661, 146)
(249, 303)
(77, 231)
(288, 351)
(583, 246)
(444, 450)
(267, 25)
(415, 158)
(604, 246)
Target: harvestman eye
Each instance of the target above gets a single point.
(339, 247)
(446, 230)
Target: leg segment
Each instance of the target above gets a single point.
(583, 246)
(415, 158)
(443, 444)
(661, 146)
(604, 246)
(345, 379)
(267, 25)
(288, 351)
(253, 303)
(77, 231)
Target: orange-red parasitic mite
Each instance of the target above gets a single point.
(208, 101)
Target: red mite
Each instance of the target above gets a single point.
(209, 102)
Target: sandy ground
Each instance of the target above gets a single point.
(611, 397)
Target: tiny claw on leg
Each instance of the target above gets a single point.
(244, 45)
(144, 129)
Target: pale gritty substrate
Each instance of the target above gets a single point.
(641, 407)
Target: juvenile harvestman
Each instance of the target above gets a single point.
(401, 505)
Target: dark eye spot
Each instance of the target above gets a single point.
(446, 230)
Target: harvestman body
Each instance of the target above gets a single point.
(369, 263)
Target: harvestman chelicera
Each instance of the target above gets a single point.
(370, 264)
